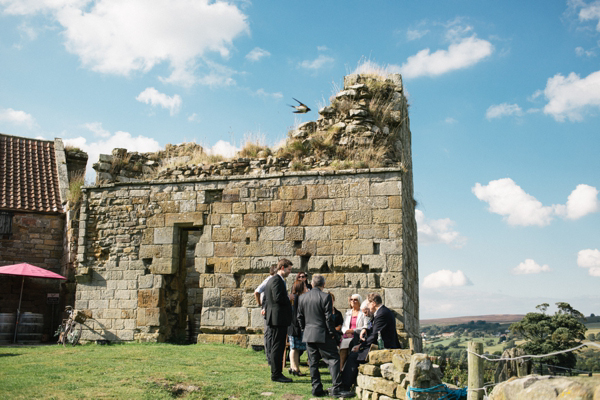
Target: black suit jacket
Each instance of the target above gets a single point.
(278, 308)
(315, 316)
(384, 322)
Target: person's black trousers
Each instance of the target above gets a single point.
(327, 351)
(278, 335)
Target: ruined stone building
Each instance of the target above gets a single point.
(36, 221)
(172, 253)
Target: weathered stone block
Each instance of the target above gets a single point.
(206, 280)
(368, 369)
(359, 217)
(283, 248)
(289, 218)
(225, 249)
(236, 317)
(320, 263)
(391, 280)
(271, 233)
(401, 360)
(231, 220)
(378, 385)
(221, 208)
(166, 235)
(358, 189)
(244, 234)
(301, 205)
(210, 338)
(390, 188)
(317, 191)
(339, 190)
(329, 247)
(347, 263)
(213, 316)
(356, 280)
(220, 265)
(358, 246)
(193, 217)
(312, 218)
(221, 234)
(334, 217)
(317, 232)
(344, 231)
(378, 357)
(292, 192)
(373, 231)
(240, 265)
(225, 281)
(253, 219)
(257, 320)
(167, 266)
(390, 246)
(238, 340)
(394, 263)
(395, 202)
(256, 249)
(388, 216)
(335, 281)
(294, 233)
(211, 297)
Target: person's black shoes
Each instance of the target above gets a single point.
(341, 393)
(281, 379)
(320, 393)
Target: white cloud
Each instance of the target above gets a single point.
(437, 231)
(580, 52)
(501, 110)
(530, 267)
(446, 278)
(223, 148)
(193, 118)
(257, 53)
(571, 97)
(582, 201)
(590, 12)
(262, 93)
(508, 199)
(450, 121)
(155, 98)
(461, 54)
(106, 145)
(320, 62)
(414, 34)
(322, 48)
(97, 128)
(126, 36)
(589, 258)
(17, 117)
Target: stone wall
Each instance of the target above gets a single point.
(137, 281)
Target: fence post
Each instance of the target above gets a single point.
(475, 371)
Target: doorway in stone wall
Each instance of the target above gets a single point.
(179, 287)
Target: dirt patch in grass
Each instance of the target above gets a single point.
(177, 390)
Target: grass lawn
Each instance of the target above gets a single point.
(144, 371)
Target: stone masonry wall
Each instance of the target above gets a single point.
(136, 281)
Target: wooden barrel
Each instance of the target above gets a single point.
(7, 327)
(30, 329)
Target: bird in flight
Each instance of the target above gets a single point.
(301, 108)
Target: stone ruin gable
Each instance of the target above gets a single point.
(366, 125)
(157, 258)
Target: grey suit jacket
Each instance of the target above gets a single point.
(315, 316)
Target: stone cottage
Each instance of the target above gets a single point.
(36, 221)
(165, 253)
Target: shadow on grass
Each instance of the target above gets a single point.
(9, 355)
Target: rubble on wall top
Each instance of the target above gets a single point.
(365, 126)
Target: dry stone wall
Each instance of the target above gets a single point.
(135, 273)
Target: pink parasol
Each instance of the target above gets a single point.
(24, 270)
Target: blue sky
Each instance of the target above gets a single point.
(504, 107)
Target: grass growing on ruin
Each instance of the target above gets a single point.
(143, 371)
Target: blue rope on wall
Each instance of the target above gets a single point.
(448, 394)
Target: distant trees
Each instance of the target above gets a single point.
(591, 337)
(545, 334)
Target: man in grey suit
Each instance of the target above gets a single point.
(315, 316)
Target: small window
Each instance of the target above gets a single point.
(6, 223)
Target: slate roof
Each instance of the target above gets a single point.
(28, 175)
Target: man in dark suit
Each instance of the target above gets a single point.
(278, 312)
(384, 322)
(315, 316)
